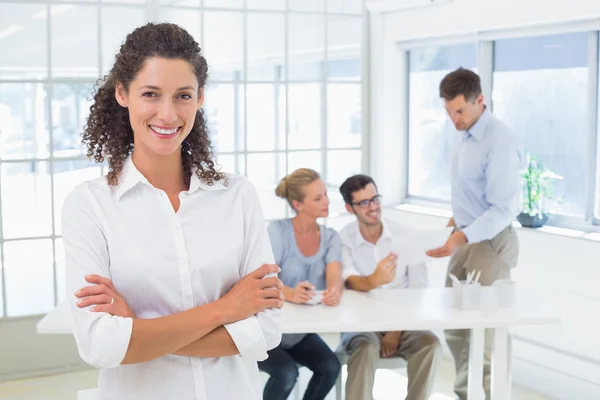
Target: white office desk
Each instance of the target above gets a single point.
(410, 309)
(405, 309)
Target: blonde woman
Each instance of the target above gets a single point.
(309, 256)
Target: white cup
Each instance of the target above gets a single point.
(505, 292)
(466, 297)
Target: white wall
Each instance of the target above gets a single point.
(562, 361)
(24, 353)
(457, 17)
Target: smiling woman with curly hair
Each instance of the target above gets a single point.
(109, 134)
(176, 253)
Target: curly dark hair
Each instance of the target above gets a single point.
(108, 133)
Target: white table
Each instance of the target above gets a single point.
(405, 309)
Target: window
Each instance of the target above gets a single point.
(40, 151)
(292, 98)
(540, 87)
(430, 130)
(284, 92)
(541, 91)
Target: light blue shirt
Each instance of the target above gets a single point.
(485, 178)
(296, 267)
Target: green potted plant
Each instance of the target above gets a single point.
(537, 187)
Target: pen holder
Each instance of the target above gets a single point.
(505, 292)
(466, 297)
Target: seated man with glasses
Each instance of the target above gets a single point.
(368, 263)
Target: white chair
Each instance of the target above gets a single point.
(89, 394)
(382, 363)
(297, 393)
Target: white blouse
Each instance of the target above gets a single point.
(163, 262)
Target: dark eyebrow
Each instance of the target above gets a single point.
(157, 88)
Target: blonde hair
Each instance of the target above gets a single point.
(291, 187)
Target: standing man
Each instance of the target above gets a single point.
(485, 192)
(367, 263)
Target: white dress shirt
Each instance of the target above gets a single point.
(163, 262)
(360, 257)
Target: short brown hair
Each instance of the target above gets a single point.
(461, 81)
(292, 186)
(354, 184)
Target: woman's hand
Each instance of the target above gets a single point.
(302, 293)
(332, 296)
(104, 297)
(253, 293)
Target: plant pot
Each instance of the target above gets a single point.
(532, 221)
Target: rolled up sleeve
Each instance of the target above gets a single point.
(255, 335)
(102, 340)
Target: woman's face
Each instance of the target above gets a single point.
(162, 102)
(316, 202)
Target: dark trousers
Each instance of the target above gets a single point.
(282, 367)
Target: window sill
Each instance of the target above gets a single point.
(588, 232)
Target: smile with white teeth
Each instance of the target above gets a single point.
(161, 131)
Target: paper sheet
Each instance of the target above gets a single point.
(317, 298)
(411, 247)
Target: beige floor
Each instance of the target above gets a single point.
(389, 385)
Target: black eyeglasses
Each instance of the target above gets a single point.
(367, 202)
